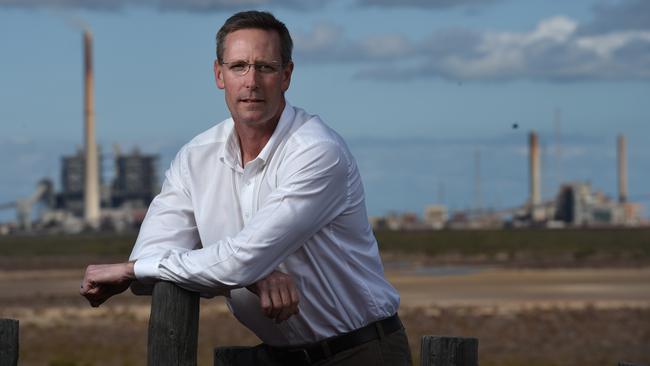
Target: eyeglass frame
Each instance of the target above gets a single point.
(257, 65)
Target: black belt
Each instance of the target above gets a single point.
(314, 352)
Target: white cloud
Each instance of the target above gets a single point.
(614, 45)
(558, 29)
(554, 50)
(606, 45)
(507, 55)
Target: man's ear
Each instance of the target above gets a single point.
(286, 76)
(218, 74)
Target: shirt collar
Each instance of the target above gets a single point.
(278, 135)
(231, 153)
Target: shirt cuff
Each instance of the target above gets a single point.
(146, 269)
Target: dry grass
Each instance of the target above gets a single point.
(116, 335)
(551, 317)
(550, 337)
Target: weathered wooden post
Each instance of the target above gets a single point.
(173, 326)
(448, 351)
(8, 342)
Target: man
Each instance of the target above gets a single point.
(265, 207)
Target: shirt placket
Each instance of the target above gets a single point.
(246, 193)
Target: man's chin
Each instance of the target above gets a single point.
(252, 118)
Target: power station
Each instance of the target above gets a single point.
(86, 201)
(576, 204)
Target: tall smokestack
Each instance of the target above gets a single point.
(622, 169)
(535, 177)
(91, 181)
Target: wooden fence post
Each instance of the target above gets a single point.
(8, 342)
(448, 351)
(173, 326)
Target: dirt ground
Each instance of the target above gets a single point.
(521, 317)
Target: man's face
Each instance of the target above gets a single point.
(256, 97)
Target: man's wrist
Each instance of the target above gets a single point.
(130, 270)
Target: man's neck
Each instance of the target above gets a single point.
(253, 137)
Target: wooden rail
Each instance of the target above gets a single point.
(8, 342)
(448, 351)
(173, 326)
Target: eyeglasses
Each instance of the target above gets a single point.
(240, 68)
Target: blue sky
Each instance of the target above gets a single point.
(415, 86)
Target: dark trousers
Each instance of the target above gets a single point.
(390, 350)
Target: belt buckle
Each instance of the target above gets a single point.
(301, 352)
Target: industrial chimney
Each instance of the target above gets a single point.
(535, 178)
(91, 179)
(622, 169)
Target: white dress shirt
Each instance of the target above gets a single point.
(298, 207)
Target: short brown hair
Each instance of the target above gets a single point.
(255, 20)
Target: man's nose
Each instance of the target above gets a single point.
(251, 78)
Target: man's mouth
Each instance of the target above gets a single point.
(251, 100)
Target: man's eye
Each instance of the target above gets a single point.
(240, 66)
(265, 68)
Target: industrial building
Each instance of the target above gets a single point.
(85, 201)
(136, 180)
(123, 201)
(73, 172)
(576, 204)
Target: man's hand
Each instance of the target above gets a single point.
(278, 296)
(105, 280)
